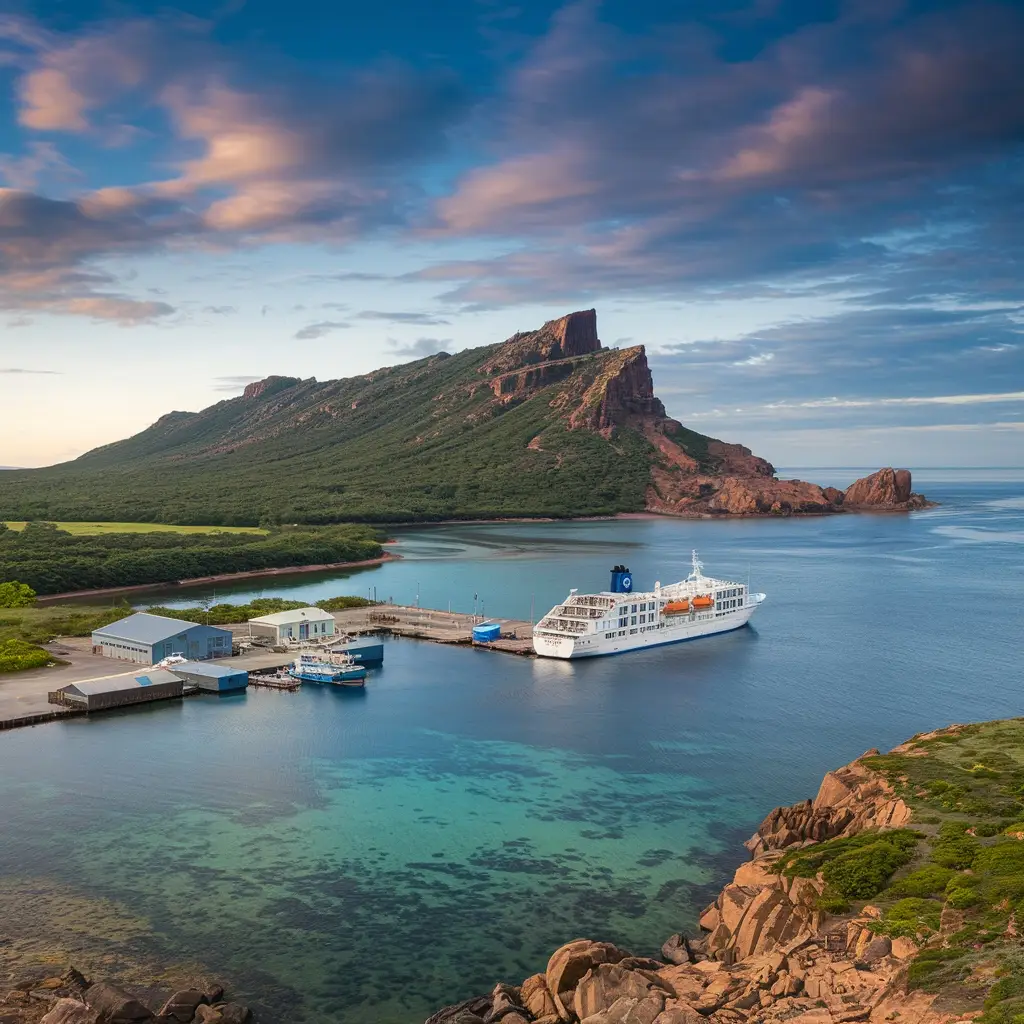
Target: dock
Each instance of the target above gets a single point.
(272, 682)
(438, 626)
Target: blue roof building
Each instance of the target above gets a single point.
(147, 639)
(215, 678)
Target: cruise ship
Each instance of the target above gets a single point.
(620, 620)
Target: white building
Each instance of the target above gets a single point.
(298, 624)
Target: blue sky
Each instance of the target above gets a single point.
(811, 213)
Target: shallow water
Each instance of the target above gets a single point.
(348, 857)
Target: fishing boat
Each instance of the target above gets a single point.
(619, 620)
(328, 667)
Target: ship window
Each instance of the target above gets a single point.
(643, 618)
(632, 620)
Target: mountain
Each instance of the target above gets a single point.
(547, 423)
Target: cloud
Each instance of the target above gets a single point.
(421, 348)
(20, 369)
(220, 310)
(284, 155)
(423, 319)
(233, 384)
(318, 330)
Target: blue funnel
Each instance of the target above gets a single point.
(622, 581)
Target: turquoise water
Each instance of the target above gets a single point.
(347, 857)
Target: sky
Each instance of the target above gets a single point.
(810, 213)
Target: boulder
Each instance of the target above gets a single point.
(628, 1011)
(470, 1011)
(536, 997)
(679, 1015)
(182, 1005)
(214, 992)
(70, 1011)
(876, 949)
(207, 1015)
(888, 488)
(569, 963)
(234, 1013)
(605, 984)
(684, 981)
(115, 1005)
(676, 950)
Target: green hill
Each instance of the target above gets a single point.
(548, 423)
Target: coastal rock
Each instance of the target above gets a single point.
(71, 1011)
(886, 489)
(182, 1005)
(115, 1005)
(675, 950)
(570, 963)
(604, 984)
(207, 1015)
(679, 1015)
(628, 1011)
(470, 1011)
(536, 997)
(234, 1013)
(213, 991)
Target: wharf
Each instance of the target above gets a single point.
(438, 626)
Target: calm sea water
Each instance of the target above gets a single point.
(354, 858)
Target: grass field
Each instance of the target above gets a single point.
(83, 529)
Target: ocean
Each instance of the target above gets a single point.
(348, 858)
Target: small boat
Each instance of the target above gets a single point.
(328, 667)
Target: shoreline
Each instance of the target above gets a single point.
(387, 556)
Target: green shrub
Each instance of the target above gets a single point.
(926, 881)
(17, 656)
(16, 595)
(910, 917)
(832, 902)
(337, 604)
(861, 874)
(955, 852)
(931, 967)
(987, 829)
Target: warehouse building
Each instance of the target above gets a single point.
(214, 678)
(299, 624)
(119, 691)
(147, 639)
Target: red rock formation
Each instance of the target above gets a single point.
(272, 384)
(735, 460)
(887, 489)
(572, 335)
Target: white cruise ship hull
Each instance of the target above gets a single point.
(671, 632)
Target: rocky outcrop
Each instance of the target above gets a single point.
(572, 335)
(887, 489)
(769, 953)
(269, 386)
(72, 999)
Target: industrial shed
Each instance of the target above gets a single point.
(118, 691)
(147, 639)
(215, 678)
(299, 624)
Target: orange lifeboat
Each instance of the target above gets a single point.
(676, 608)
(704, 601)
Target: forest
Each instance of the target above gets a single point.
(53, 561)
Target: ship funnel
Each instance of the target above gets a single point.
(622, 581)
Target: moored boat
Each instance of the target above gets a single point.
(619, 620)
(328, 667)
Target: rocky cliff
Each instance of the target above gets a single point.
(792, 938)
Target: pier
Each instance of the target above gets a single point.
(438, 626)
